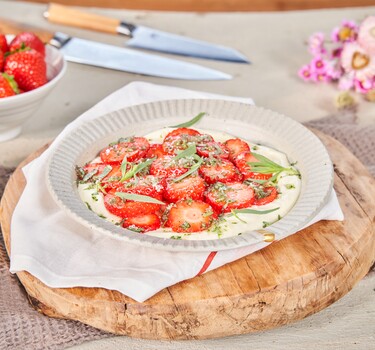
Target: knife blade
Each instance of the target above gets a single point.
(141, 36)
(108, 56)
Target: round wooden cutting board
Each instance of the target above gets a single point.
(285, 282)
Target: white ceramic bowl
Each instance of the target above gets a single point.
(255, 124)
(15, 110)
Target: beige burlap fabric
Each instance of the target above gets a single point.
(21, 327)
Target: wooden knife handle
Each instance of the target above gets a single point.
(12, 27)
(66, 15)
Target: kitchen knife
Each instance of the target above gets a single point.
(118, 58)
(142, 37)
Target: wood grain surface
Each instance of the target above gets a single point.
(215, 5)
(285, 282)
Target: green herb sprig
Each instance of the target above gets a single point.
(190, 122)
(138, 198)
(194, 168)
(135, 169)
(267, 166)
(191, 150)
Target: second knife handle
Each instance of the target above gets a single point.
(65, 15)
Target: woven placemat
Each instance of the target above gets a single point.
(21, 327)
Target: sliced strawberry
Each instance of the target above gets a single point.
(133, 148)
(127, 208)
(27, 39)
(28, 68)
(182, 131)
(155, 150)
(265, 196)
(3, 43)
(6, 88)
(216, 169)
(242, 161)
(167, 167)
(2, 59)
(149, 185)
(190, 187)
(213, 149)
(235, 147)
(190, 216)
(225, 197)
(173, 144)
(141, 224)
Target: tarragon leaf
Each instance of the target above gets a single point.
(194, 168)
(138, 198)
(190, 122)
(252, 211)
(192, 149)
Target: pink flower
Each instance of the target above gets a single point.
(316, 44)
(366, 35)
(346, 33)
(356, 59)
(322, 77)
(305, 73)
(336, 53)
(334, 71)
(318, 64)
(346, 82)
(364, 86)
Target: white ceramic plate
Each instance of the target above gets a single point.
(247, 122)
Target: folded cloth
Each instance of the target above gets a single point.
(62, 253)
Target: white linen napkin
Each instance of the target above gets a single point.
(61, 252)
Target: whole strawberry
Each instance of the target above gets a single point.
(27, 39)
(3, 43)
(8, 87)
(28, 68)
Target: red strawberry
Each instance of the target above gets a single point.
(216, 169)
(149, 185)
(2, 59)
(235, 147)
(213, 149)
(133, 148)
(141, 224)
(30, 40)
(28, 68)
(190, 187)
(265, 195)
(242, 161)
(175, 143)
(190, 216)
(8, 87)
(3, 43)
(182, 131)
(225, 197)
(155, 150)
(126, 208)
(166, 167)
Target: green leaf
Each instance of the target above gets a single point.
(194, 168)
(124, 165)
(135, 169)
(252, 211)
(190, 122)
(138, 198)
(105, 172)
(192, 149)
(89, 175)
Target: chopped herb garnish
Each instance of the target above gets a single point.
(190, 122)
(266, 223)
(94, 196)
(135, 229)
(102, 216)
(290, 186)
(138, 198)
(185, 225)
(88, 206)
(255, 148)
(175, 237)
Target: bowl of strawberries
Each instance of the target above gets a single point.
(29, 70)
